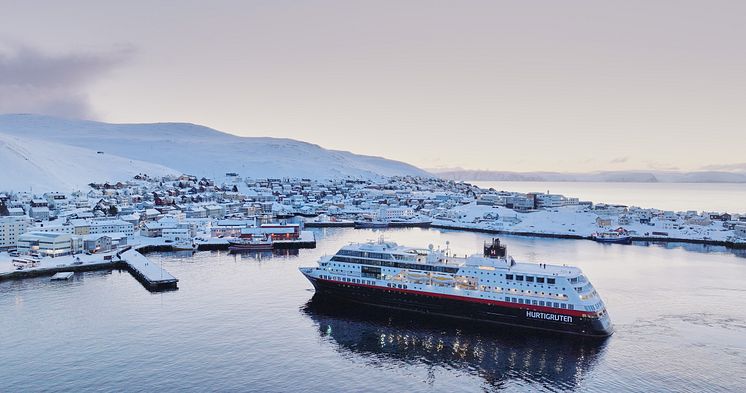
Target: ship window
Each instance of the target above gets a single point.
(529, 278)
(533, 302)
(550, 281)
(556, 305)
(518, 278)
(541, 302)
(508, 276)
(515, 300)
(540, 280)
(570, 306)
(563, 305)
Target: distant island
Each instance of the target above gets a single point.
(705, 176)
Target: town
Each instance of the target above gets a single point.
(189, 213)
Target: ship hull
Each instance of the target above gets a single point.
(621, 240)
(250, 247)
(367, 224)
(439, 306)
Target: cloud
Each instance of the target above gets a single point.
(619, 160)
(53, 84)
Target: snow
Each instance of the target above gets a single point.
(45, 166)
(571, 221)
(184, 148)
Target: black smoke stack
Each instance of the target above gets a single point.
(495, 249)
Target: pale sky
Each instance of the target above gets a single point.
(501, 85)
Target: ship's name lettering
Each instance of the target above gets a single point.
(547, 316)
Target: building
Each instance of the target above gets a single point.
(46, 244)
(39, 213)
(53, 228)
(547, 201)
(740, 231)
(603, 222)
(178, 233)
(97, 243)
(11, 228)
(98, 227)
(393, 213)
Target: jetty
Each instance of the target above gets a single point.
(152, 276)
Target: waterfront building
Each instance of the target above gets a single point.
(46, 244)
(11, 228)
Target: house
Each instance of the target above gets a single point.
(603, 222)
(215, 211)
(97, 243)
(16, 212)
(40, 213)
(740, 231)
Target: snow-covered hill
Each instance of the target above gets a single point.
(607, 176)
(38, 165)
(188, 148)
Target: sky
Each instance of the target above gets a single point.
(495, 85)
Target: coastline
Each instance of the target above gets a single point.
(724, 243)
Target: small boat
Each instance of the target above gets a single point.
(251, 243)
(62, 276)
(618, 237)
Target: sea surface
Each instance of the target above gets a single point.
(718, 197)
(250, 323)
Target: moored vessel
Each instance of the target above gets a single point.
(251, 243)
(489, 288)
(618, 236)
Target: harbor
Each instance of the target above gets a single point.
(153, 277)
(268, 314)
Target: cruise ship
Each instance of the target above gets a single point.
(489, 288)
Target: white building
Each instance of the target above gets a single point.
(99, 227)
(39, 213)
(46, 244)
(390, 213)
(11, 228)
(53, 228)
(175, 234)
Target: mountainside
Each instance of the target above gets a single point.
(193, 149)
(38, 165)
(609, 176)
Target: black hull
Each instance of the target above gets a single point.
(459, 309)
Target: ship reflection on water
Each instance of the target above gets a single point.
(500, 356)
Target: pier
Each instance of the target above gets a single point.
(150, 275)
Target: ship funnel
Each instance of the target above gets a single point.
(495, 249)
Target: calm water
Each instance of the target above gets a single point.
(721, 197)
(248, 323)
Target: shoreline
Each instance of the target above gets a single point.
(727, 244)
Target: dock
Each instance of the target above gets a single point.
(151, 275)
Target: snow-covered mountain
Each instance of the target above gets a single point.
(67, 150)
(607, 176)
(37, 165)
